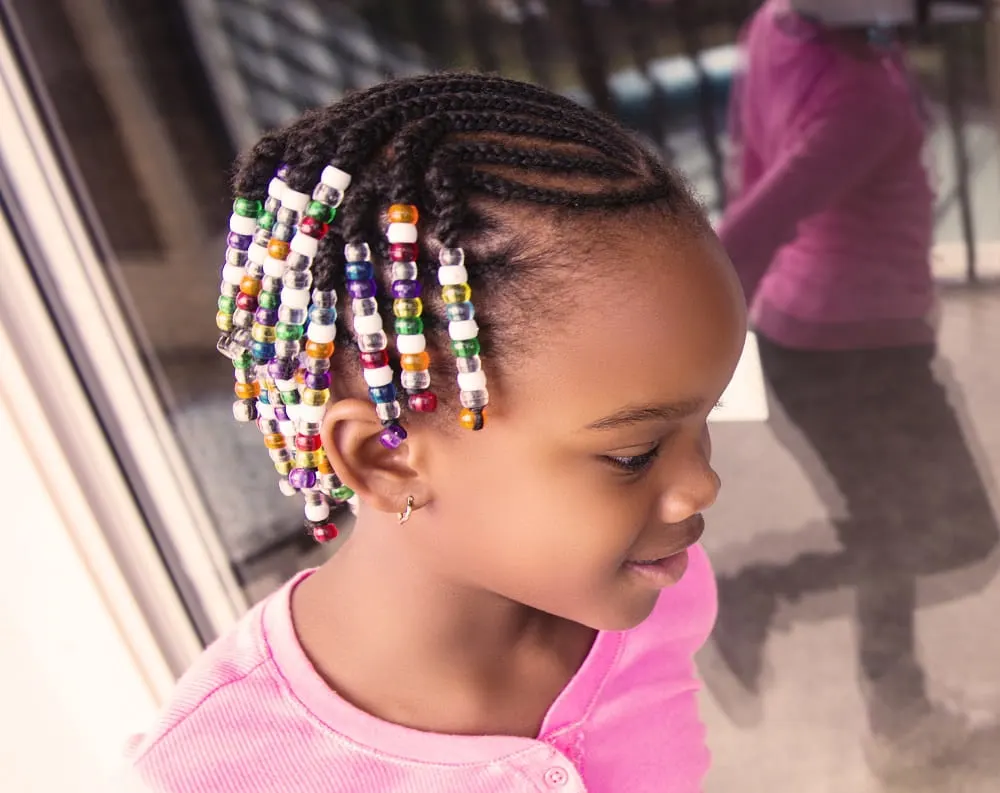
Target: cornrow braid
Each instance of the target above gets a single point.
(442, 155)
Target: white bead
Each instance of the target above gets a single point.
(286, 487)
(295, 298)
(304, 244)
(322, 334)
(274, 267)
(257, 253)
(293, 412)
(276, 188)
(472, 381)
(411, 345)
(463, 330)
(378, 377)
(312, 413)
(317, 512)
(401, 232)
(366, 325)
(336, 178)
(232, 274)
(453, 275)
(242, 225)
(285, 385)
(265, 410)
(287, 428)
(294, 200)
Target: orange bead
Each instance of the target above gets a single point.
(277, 249)
(247, 390)
(415, 362)
(470, 420)
(322, 463)
(300, 377)
(276, 441)
(319, 349)
(403, 213)
(250, 286)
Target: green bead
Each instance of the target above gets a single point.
(409, 326)
(247, 207)
(227, 304)
(342, 493)
(287, 332)
(244, 361)
(268, 300)
(320, 211)
(466, 348)
(290, 397)
(266, 220)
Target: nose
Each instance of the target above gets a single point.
(691, 485)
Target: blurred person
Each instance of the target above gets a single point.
(830, 226)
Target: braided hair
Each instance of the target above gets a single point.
(463, 148)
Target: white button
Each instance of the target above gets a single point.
(556, 777)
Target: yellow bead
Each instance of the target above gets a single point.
(276, 441)
(250, 286)
(322, 463)
(315, 397)
(416, 362)
(306, 460)
(263, 333)
(467, 418)
(224, 321)
(319, 349)
(277, 249)
(407, 308)
(247, 390)
(403, 213)
(284, 468)
(456, 293)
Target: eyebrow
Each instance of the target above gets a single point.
(628, 416)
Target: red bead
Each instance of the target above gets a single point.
(246, 302)
(375, 360)
(424, 402)
(403, 251)
(308, 443)
(325, 533)
(313, 227)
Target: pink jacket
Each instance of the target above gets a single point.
(831, 215)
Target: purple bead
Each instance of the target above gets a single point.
(302, 478)
(280, 413)
(239, 241)
(360, 290)
(392, 437)
(283, 171)
(403, 290)
(281, 370)
(318, 382)
(266, 316)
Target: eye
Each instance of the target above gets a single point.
(636, 463)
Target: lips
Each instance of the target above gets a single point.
(681, 535)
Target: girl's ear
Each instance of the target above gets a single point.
(383, 478)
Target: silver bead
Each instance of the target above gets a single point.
(236, 257)
(475, 399)
(328, 195)
(270, 284)
(245, 410)
(268, 426)
(451, 257)
(314, 497)
(297, 280)
(229, 290)
(262, 237)
(287, 216)
(317, 365)
(272, 205)
(280, 455)
(242, 319)
(282, 232)
(404, 271)
(292, 316)
(415, 381)
(388, 411)
(365, 306)
(287, 348)
(373, 342)
(255, 270)
(328, 482)
(298, 262)
(242, 338)
(324, 298)
(357, 251)
(310, 427)
(467, 365)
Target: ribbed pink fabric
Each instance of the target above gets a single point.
(831, 214)
(253, 716)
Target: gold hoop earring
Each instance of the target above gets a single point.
(407, 511)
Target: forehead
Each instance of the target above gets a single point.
(655, 315)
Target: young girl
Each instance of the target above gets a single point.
(518, 605)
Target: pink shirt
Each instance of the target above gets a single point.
(831, 214)
(253, 715)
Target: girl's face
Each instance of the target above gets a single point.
(596, 453)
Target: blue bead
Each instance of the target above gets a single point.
(458, 312)
(384, 393)
(359, 271)
(323, 316)
(262, 351)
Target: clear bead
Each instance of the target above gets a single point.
(404, 271)
(295, 280)
(309, 427)
(373, 342)
(236, 257)
(255, 270)
(270, 284)
(475, 399)
(229, 290)
(280, 455)
(468, 365)
(388, 411)
(272, 205)
(328, 195)
(262, 237)
(459, 312)
(317, 365)
(282, 232)
(292, 316)
(357, 251)
(324, 298)
(269, 427)
(287, 348)
(451, 257)
(242, 319)
(245, 410)
(287, 216)
(244, 375)
(415, 381)
(298, 262)
(365, 307)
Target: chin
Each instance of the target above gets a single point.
(625, 615)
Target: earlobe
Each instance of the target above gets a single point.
(383, 478)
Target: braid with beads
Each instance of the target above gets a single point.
(331, 206)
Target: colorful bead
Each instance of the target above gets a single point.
(289, 332)
(313, 227)
(392, 437)
(472, 419)
(359, 271)
(321, 212)
(302, 478)
(459, 312)
(277, 248)
(403, 290)
(250, 286)
(316, 349)
(246, 302)
(403, 213)
(227, 304)
(266, 220)
(268, 300)
(361, 289)
(415, 362)
(247, 390)
(263, 333)
(247, 207)
(317, 382)
(239, 241)
(466, 348)
(456, 293)
(383, 393)
(423, 402)
(306, 460)
(407, 308)
(262, 351)
(224, 321)
(342, 493)
(409, 325)
(274, 441)
(404, 252)
(327, 532)
(312, 396)
(374, 360)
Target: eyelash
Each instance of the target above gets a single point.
(636, 463)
